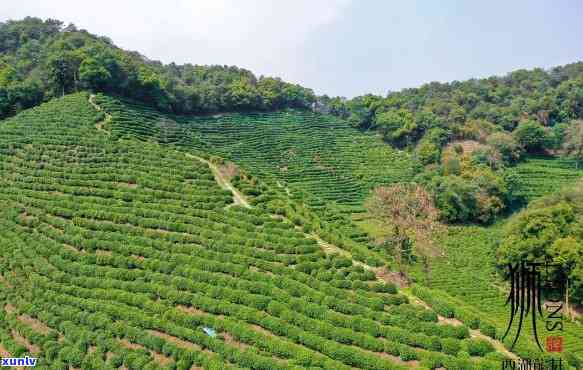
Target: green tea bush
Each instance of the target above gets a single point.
(478, 347)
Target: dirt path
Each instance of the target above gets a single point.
(496, 344)
(238, 198)
(99, 125)
(473, 333)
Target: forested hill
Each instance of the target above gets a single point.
(548, 96)
(40, 60)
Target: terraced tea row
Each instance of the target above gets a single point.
(537, 176)
(120, 252)
(317, 153)
(466, 287)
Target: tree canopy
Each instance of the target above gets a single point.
(529, 102)
(550, 228)
(40, 60)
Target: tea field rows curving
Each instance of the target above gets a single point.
(124, 253)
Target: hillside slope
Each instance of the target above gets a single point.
(120, 252)
(318, 160)
(319, 154)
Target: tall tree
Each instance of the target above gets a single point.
(573, 144)
(409, 218)
(62, 69)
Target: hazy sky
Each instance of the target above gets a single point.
(336, 47)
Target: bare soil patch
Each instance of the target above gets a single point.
(25, 343)
(229, 339)
(128, 185)
(139, 258)
(4, 352)
(26, 217)
(393, 277)
(261, 330)
(229, 170)
(9, 308)
(129, 345)
(179, 342)
(191, 310)
(448, 321)
(161, 359)
(35, 324)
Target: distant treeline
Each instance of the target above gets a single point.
(464, 110)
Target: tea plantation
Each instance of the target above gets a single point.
(537, 176)
(124, 253)
(318, 154)
(464, 284)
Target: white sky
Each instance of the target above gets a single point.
(338, 47)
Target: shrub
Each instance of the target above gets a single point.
(531, 135)
(477, 195)
(434, 344)
(450, 346)
(389, 288)
(506, 145)
(488, 330)
(478, 347)
(408, 354)
(574, 360)
(428, 152)
(469, 319)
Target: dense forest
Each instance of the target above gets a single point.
(40, 60)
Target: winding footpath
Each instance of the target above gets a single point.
(238, 198)
(99, 125)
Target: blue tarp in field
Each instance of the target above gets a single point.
(209, 331)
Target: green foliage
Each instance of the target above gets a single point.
(549, 229)
(488, 156)
(506, 145)
(476, 194)
(73, 60)
(478, 347)
(476, 108)
(428, 152)
(531, 135)
(105, 238)
(397, 126)
(488, 330)
(573, 140)
(94, 74)
(450, 346)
